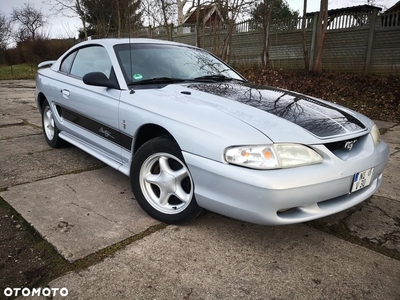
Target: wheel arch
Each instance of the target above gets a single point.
(147, 132)
(40, 100)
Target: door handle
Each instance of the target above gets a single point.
(65, 94)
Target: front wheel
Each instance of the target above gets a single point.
(162, 183)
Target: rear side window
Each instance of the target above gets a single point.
(91, 59)
(66, 64)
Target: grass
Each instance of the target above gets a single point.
(22, 71)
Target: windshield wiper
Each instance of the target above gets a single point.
(158, 80)
(214, 77)
(217, 77)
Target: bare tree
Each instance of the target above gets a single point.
(71, 9)
(21, 35)
(151, 12)
(159, 13)
(180, 6)
(232, 9)
(270, 14)
(198, 24)
(29, 19)
(303, 37)
(266, 8)
(168, 12)
(5, 31)
(322, 25)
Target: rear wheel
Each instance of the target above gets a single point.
(50, 129)
(162, 183)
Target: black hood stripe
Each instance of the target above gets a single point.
(317, 117)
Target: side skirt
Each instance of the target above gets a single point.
(96, 152)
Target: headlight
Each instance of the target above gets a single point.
(274, 156)
(376, 135)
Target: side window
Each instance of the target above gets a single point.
(66, 64)
(91, 59)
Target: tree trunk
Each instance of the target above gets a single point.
(321, 34)
(304, 38)
(229, 43)
(82, 17)
(181, 16)
(164, 12)
(266, 30)
(198, 24)
(119, 18)
(181, 5)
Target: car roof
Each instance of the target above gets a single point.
(115, 41)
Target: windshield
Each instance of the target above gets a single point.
(141, 62)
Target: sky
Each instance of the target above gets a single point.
(62, 27)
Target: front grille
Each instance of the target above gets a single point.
(342, 145)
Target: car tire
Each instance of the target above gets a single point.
(162, 183)
(50, 129)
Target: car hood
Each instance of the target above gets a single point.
(280, 114)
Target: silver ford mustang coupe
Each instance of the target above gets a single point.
(192, 134)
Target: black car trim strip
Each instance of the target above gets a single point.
(104, 131)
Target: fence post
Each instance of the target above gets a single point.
(313, 41)
(371, 35)
(171, 32)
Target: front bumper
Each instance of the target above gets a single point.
(285, 196)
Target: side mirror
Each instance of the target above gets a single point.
(99, 79)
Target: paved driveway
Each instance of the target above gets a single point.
(81, 206)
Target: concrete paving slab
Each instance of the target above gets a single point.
(9, 120)
(24, 145)
(394, 148)
(377, 221)
(219, 258)
(9, 132)
(390, 187)
(33, 118)
(392, 135)
(28, 113)
(17, 106)
(23, 96)
(18, 101)
(383, 125)
(21, 84)
(18, 96)
(81, 213)
(24, 168)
